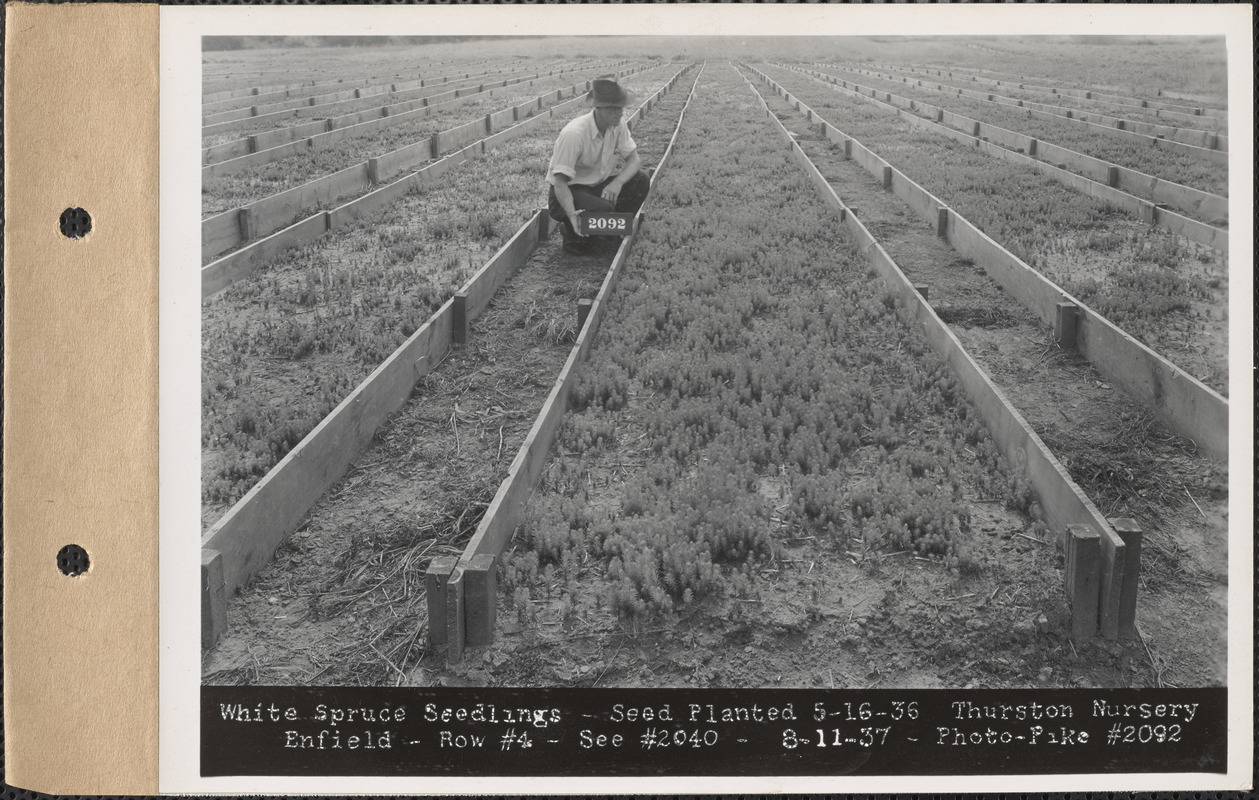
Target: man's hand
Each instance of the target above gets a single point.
(574, 219)
(612, 191)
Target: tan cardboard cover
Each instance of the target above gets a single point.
(80, 405)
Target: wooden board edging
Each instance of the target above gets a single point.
(218, 275)
(273, 213)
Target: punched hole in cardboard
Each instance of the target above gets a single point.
(75, 223)
(72, 560)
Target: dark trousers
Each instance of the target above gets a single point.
(587, 198)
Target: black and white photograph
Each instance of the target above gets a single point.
(802, 359)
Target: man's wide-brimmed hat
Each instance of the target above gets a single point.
(605, 91)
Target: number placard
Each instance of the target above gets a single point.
(606, 223)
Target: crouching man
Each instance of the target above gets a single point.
(583, 174)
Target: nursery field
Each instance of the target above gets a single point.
(353, 573)
(1167, 291)
(283, 347)
(252, 184)
(1092, 103)
(1167, 164)
(730, 449)
(1116, 450)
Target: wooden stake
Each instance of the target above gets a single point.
(480, 600)
(1132, 536)
(1083, 576)
(455, 623)
(459, 318)
(435, 580)
(583, 311)
(1066, 319)
(248, 225)
(213, 599)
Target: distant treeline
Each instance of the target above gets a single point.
(209, 43)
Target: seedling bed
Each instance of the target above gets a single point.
(1207, 145)
(1161, 203)
(765, 472)
(230, 191)
(282, 347)
(1126, 461)
(538, 319)
(260, 108)
(235, 69)
(1078, 105)
(1201, 95)
(349, 99)
(1165, 163)
(1186, 404)
(228, 153)
(1124, 95)
(343, 602)
(339, 68)
(433, 74)
(1118, 96)
(1164, 290)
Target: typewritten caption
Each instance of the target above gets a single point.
(574, 732)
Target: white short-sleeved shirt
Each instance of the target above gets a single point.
(585, 155)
